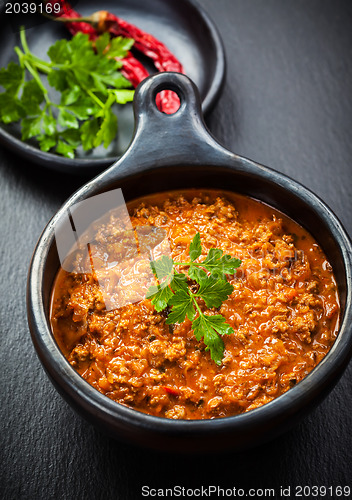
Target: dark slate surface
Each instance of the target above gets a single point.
(286, 103)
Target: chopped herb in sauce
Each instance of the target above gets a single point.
(213, 288)
(284, 311)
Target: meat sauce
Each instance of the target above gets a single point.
(284, 311)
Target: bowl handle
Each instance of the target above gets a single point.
(169, 139)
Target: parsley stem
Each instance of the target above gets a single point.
(35, 75)
(195, 302)
(39, 63)
(43, 66)
(20, 55)
(96, 99)
(24, 40)
(87, 20)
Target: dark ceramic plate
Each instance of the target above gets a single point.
(181, 24)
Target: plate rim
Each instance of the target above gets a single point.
(94, 165)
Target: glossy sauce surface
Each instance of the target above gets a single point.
(284, 308)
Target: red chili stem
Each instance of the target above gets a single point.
(68, 12)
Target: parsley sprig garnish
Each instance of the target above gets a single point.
(88, 78)
(172, 290)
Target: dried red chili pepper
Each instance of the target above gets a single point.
(167, 101)
(171, 390)
(163, 59)
(131, 69)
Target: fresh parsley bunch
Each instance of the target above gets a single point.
(88, 79)
(173, 290)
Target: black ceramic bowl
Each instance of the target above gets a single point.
(175, 152)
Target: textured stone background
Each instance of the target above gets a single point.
(286, 103)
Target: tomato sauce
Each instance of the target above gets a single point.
(284, 309)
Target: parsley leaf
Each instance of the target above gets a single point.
(162, 267)
(31, 127)
(195, 248)
(87, 77)
(57, 79)
(10, 108)
(65, 149)
(12, 78)
(46, 142)
(214, 291)
(179, 282)
(123, 96)
(83, 108)
(182, 306)
(89, 130)
(67, 119)
(209, 328)
(218, 264)
(108, 126)
(196, 273)
(70, 95)
(59, 52)
(119, 46)
(160, 295)
(49, 124)
(173, 291)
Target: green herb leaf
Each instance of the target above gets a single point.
(65, 149)
(32, 92)
(102, 42)
(214, 291)
(72, 136)
(83, 108)
(70, 95)
(49, 124)
(160, 295)
(60, 52)
(46, 142)
(89, 83)
(196, 273)
(108, 129)
(173, 291)
(58, 80)
(89, 131)
(209, 328)
(218, 264)
(10, 108)
(119, 46)
(182, 306)
(122, 96)
(31, 127)
(179, 282)
(195, 248)
(67, 119)
(12, 77)
(163, 267)
(32, 97)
